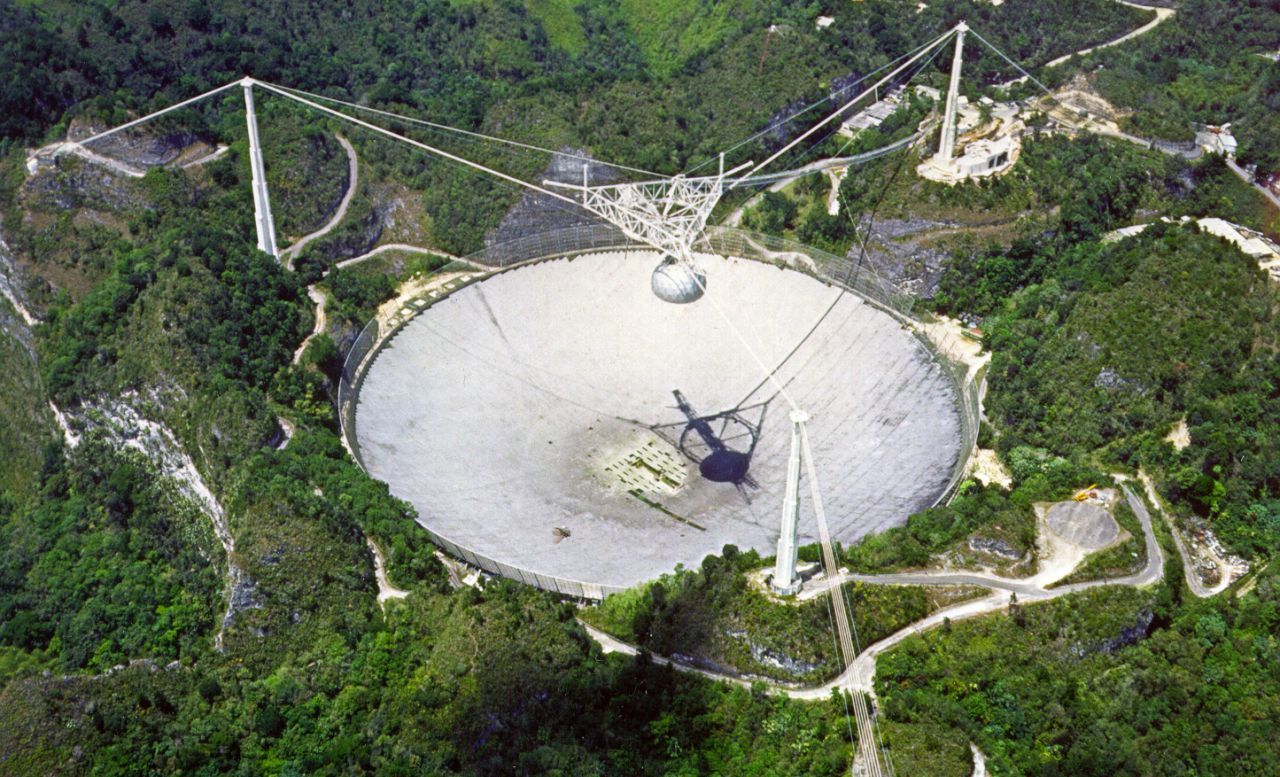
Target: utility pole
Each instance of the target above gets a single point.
(261, 202)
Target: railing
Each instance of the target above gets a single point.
(570, 241)
(349, 386)
(560, 585)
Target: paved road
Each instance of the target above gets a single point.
(397, 247)
(289, 253)
(860, 675)
(1161, 15)
(217, 153)
(1242, 175)
(70, 147)
(1151, 573)
(610, 644)
(1197, 586)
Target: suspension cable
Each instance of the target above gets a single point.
(469, 133)
(160, 112)
(410, 141)
(831, 117)
(867, 735)
(829, 98)
(890, 148)
(1018, 67)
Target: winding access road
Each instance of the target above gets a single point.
(396, 247)
(860, 675)
(1161, 15)
(288, 255)
(1197, 586)
(386, 591)
(292, 251)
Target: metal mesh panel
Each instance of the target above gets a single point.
(349, 386)
(569, 240)
(581, 239)
(574, 588)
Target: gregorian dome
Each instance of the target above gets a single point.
(676, 282)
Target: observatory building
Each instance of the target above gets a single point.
(993, 142)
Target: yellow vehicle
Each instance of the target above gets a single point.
(1086, 493)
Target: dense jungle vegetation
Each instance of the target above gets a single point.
(1113, 682)
(657, 86)
(117, 651)
(1203, 65)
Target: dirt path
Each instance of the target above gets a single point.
(1161, 15)
(835, 176)
(396, 247)
(288, 254)
(217, 153)
(386, 590)
(321, 301)
(8, 271)
(1226, 573)
(98, 159)
(979, 761)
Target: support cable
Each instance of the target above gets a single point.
(855, 268)
(742, 340)
(831, 117)
(469, 133)
(829, 98)
(415, 143)
(847, 631)
(868, 156)
(160, 112)
(1018, 67)
(923, 65)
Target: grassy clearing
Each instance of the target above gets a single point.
(671, 32)
(559, 19)
(926, 748)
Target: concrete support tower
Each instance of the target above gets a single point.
(261, 202)
(785, 580)
(947, 147)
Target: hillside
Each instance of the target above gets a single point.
(188, 581)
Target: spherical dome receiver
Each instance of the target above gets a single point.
(676, 282)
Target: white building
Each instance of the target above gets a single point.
(873, 115)
(976, 139)
(987, 157)
(41, 160)
(1217, 140)
(1251, 242)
